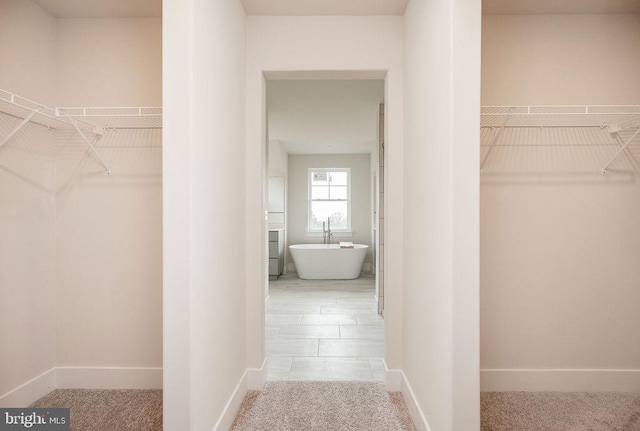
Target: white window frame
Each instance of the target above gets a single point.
(340, 232)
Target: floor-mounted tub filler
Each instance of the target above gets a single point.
(328, 261)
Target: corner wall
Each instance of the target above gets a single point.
(560, 243)
(27, 261)
(204, 212)
(441, 243)
(27, 208)
(28, 50)
(109, 62)
(109, 239)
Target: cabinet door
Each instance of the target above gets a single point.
(273, 249)
(274, 267)
(276, 195)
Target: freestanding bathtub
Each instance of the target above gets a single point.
(328, 261)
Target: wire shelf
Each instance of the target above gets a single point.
(90, 123)
(21, 107)
(594, 133)
(557, 115)
(116, 117)
(89, 119)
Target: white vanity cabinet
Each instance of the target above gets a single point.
(276, 253)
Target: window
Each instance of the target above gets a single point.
(329, 198)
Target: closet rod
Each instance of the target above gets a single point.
(20, 126)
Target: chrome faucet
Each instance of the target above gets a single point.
(326, 231)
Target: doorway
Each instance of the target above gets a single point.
(323, 329)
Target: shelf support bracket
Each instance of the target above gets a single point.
(20, 126)
(622, 149)
(494, 140)
(74, 123)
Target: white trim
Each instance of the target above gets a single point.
(257, 377)
(417, 415)
(563, 380)
(28, 392)
(109, 378)
(396, 381)
(392, 378)
(82, 377)
(310, 171)
(233, 405)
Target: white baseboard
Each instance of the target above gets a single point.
(257, 376)
(28, 392)
(252, 380)
(560, 380)
(417, 415)
(233, 405)
(109, 378)
(396, 381)
(392, 378)
(82, 377)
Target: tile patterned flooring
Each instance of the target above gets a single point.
(324, 330)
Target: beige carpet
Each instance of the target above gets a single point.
(560, 411)
(108, 410)
(335, 406)
(323, 406)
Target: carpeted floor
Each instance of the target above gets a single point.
(560, 411)
(108, 410)
(353, 406)
(322, 406)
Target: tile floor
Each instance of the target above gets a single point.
(324, 330)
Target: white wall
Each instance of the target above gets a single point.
(27, 205)
(109, 243)
(441, 280)
(109, 228)
(109, 62)
(298, 204)
(559, 248)
(560, 59)
(204, 210)
(28, 50)
(321, 44)
(27, 257)
(307, 116)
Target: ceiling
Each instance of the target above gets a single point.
(324, 116)
(101, 8)
(560, 6)
(325, 7)
(153, 8)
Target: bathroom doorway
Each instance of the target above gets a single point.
(320, 131)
